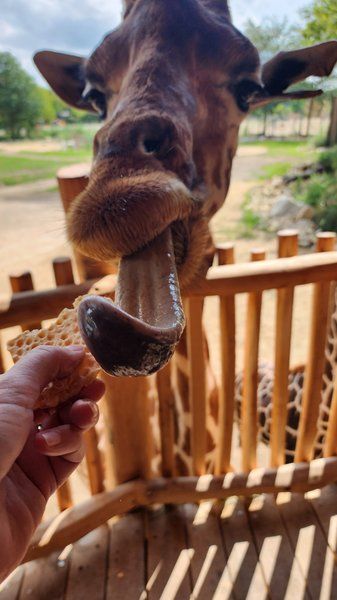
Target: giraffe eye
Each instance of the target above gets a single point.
(245, 91)
(97, 100)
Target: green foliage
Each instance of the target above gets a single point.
(328, 160)
(320, 21)
(320, 192)
(274, 36)
(20, 105)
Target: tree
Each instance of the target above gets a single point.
(48, 107)
(320, 25)
(20, 105)
(320, 21)
(270, 38)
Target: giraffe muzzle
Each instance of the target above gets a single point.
(138, 333)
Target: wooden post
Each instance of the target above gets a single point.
(326, 242)
(63, 273)
(197, 382)
(166, 420)
(225, 253)
(250, 376)
(288, 246)
(72, 181)
(315, 366)
(127, 424)
(2, 364)
(332, 133)
(23, 282)
(227, 385)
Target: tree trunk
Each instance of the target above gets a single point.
(332, 134)
(265, 120)
(310, 113)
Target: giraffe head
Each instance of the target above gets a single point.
(172, 83)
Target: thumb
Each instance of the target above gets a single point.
(24, 382)
(20, 387)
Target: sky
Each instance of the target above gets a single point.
(77, 26)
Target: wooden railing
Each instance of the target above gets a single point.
(128, 416)
(126, 479)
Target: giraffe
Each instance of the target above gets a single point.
(295, 393)
(172, 84)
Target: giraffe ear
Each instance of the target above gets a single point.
(287, 68)
(65, 75)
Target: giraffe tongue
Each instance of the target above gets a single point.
(137, 335)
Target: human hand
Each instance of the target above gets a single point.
(34, 463)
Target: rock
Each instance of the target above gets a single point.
(306, 233)
(284, 206)
(305, 212)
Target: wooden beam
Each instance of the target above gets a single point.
(220, 281)
(76, 522)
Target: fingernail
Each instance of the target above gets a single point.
(52, 438)
(75, 349)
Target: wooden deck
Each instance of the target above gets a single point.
(283, 548)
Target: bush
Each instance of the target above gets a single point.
(328, 160)
(320, 191)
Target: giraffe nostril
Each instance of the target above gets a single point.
(152, 145)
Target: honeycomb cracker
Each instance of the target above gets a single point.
(63, 332)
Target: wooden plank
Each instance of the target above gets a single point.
(204, 538)
(249, 425)
(324, 503)
(126, 565)
(168, 559)
(228, 369)
(166, 420)
(313, 373)
(10, 588)
(88, 566)
(307, 540)
(197, 382)
(280, 567)
(288, 246)
(243, 576)
(46, 577)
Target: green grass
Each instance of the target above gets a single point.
(278, 169)
(284, 148)
(27, 167)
